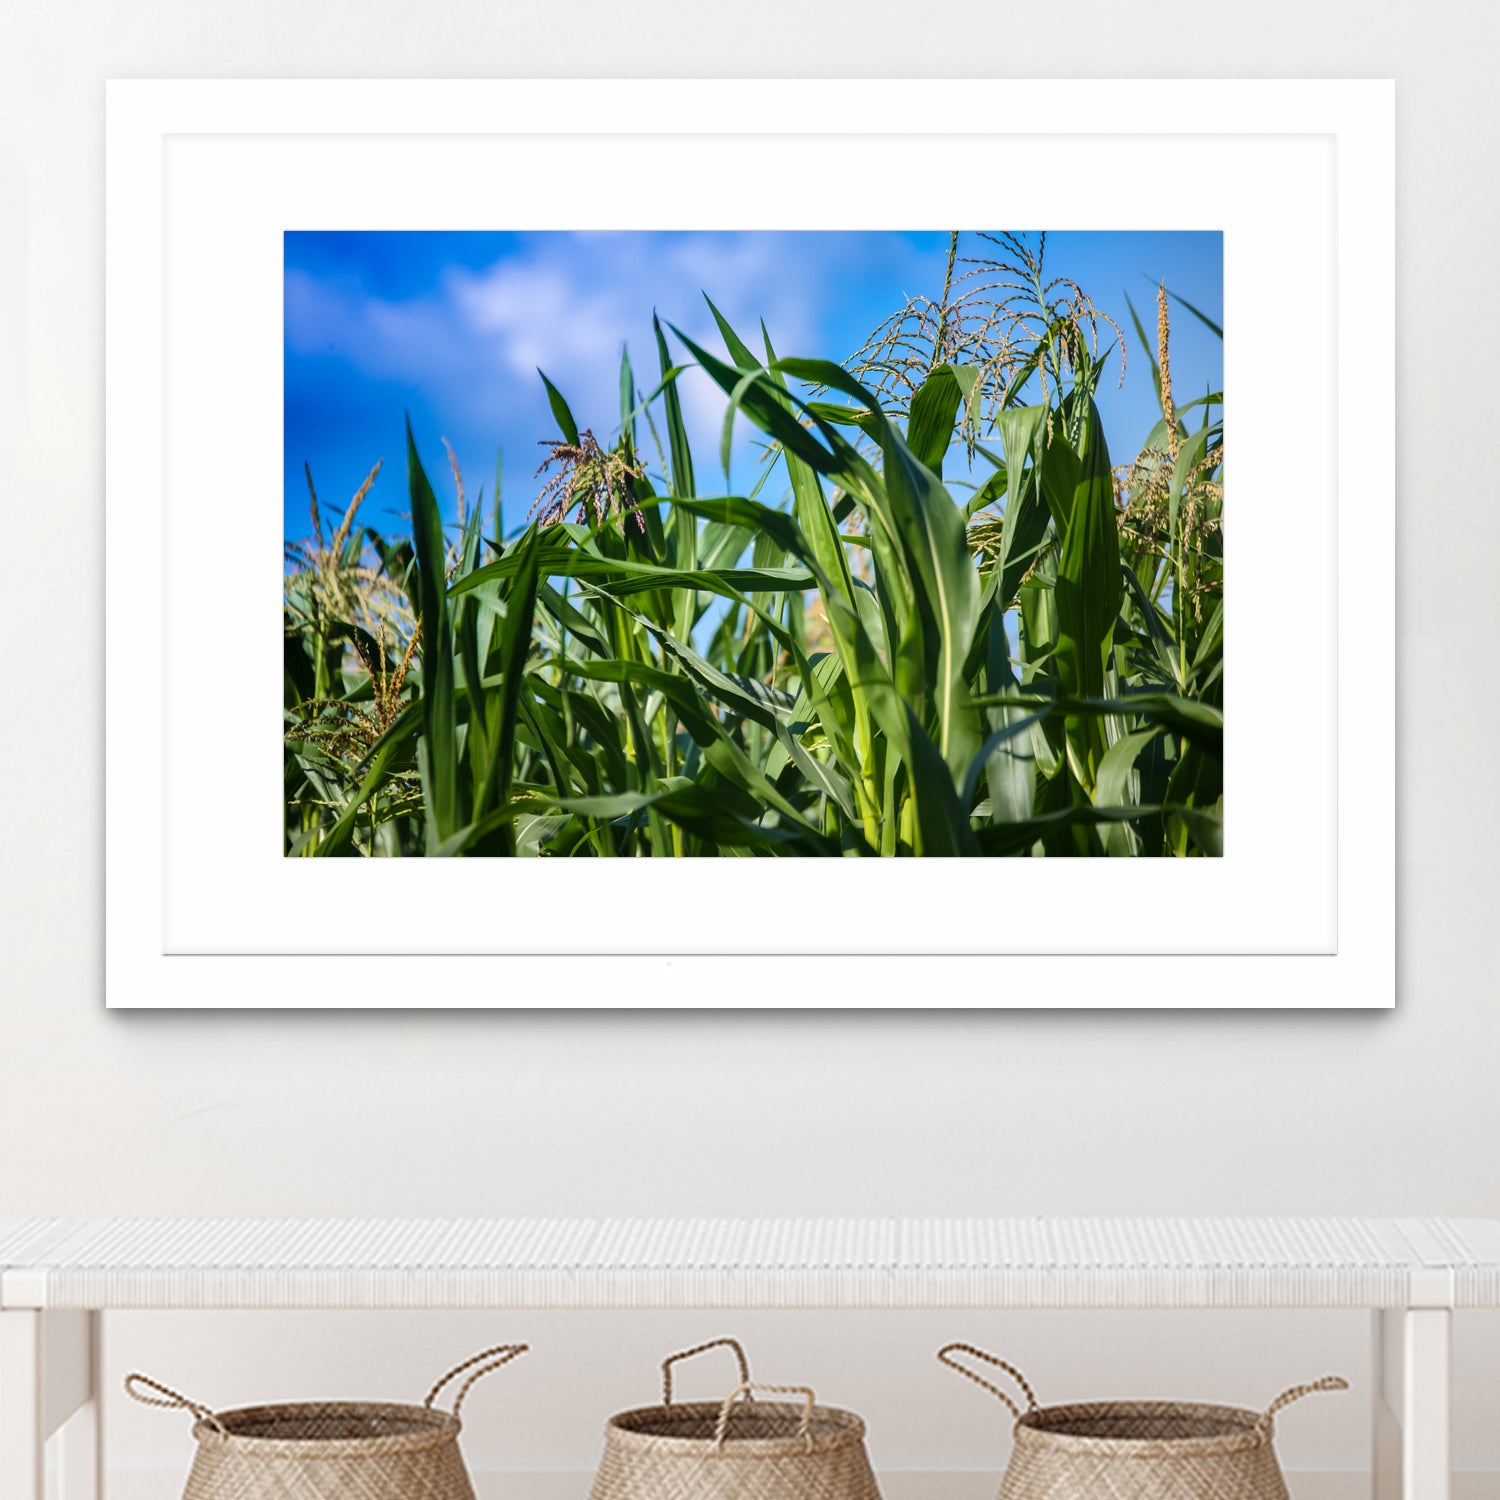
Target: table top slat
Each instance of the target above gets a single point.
(657, 1263)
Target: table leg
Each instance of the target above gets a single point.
(81, 1452)
(49, 1383)
(1412, 1425)
(22, 1475)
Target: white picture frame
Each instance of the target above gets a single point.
(203, 177)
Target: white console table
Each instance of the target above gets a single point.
(58, 1276)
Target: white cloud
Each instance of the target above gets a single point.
(537, 314)
(567, 303)
(382, 340)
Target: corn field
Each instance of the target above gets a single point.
(942, 621)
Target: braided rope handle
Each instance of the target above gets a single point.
(671, 1359)
(174, 1400)
(804, 1430)
(506, 1353)
(979, 1380)
(1296, 1393)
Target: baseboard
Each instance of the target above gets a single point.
(556, 1484)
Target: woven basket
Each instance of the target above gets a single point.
(329, 1450)
(1139, 1450)
(735, 1449)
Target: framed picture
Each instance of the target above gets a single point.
(668, 472)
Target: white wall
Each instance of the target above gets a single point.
(604, 1114)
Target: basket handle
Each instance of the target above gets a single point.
(506, 1353)
(945, 1357)
(1296, 1393)
(671, 1359)
(804, 1429)
(174, 1400)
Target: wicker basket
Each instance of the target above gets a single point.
(1138, 1450)
(735, 1449)
(329, 1450)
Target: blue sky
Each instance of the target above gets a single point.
(451, 327)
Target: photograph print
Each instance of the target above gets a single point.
(760, 543)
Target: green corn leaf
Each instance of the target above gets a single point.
(998, 739)
(476, 834)
(750, 517)
(441, 791)
(942, 822)
(844, 416)
(515, 643)
(922, 519)
(628, 576)
(1017, 838)
(722, 546)
(743, 694)
(816, 528)
(1088, 591)
(1061, 473)
(768, 408)
(739, 351)
(560, 412)
(1200, 722)
(929, 427)
(1010, 765)
(1192, 453)
(1206, 827)
(577, 624)
(682, 527)
(1202, 317)
(627, 396)
(1156, 624)
(987, 493)
(1023, 432)
(683, 485)
(1118, 785)
(705, 815)
(1196, 784)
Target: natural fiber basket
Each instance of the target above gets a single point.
(735, 1449)
(1139, 1450)
(330, 1450)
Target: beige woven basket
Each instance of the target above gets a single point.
(330, 1450)
(735, 1449)
(1138, 1450)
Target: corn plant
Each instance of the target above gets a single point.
(1023, 659)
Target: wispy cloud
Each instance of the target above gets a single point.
(564, 303)
(377, 324)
